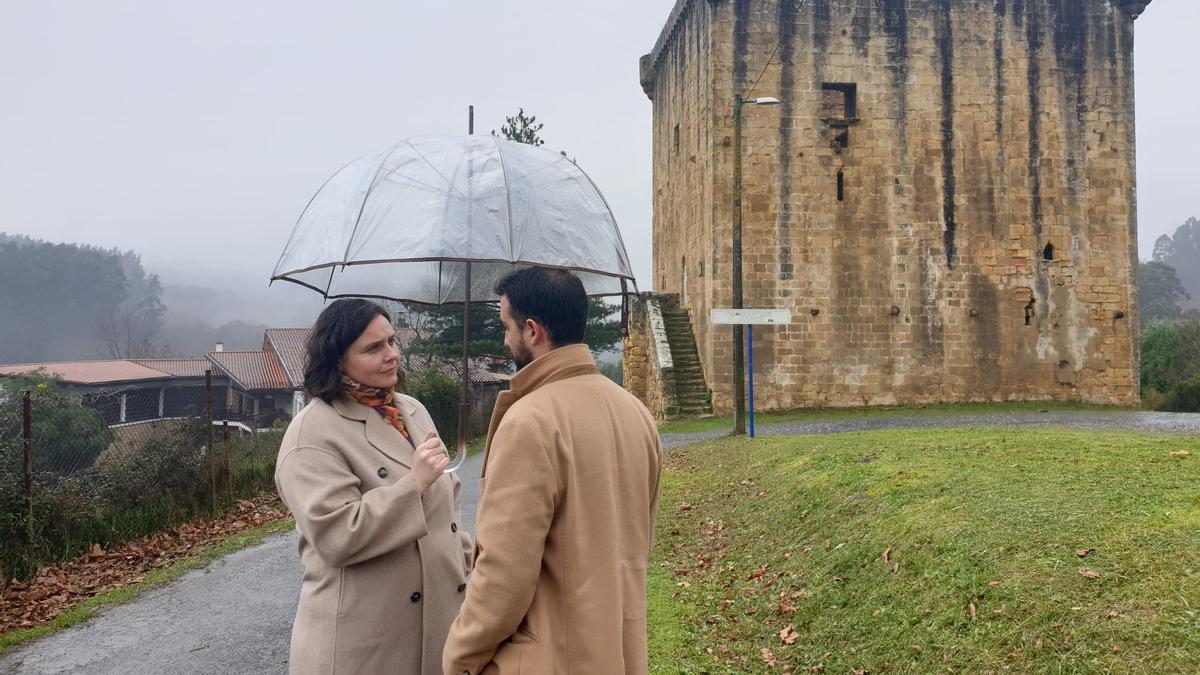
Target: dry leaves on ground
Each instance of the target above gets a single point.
(1088, 574)
(1085, 552)
(57, 588)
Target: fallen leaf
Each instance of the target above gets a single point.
(971, 610)
(789, 635)
(1112, 614)
(769, 658)
(887, 552)
(1181, 454)
(993, 584)
(1088, 574)
(1085, 552)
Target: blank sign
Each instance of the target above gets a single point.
(750, 316)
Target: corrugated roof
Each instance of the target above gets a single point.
(89, 372)
(251, 370)
(190, 367)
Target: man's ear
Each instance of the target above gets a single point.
(538, 331)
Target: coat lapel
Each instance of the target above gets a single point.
(380, 434)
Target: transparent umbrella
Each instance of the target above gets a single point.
(440, 219)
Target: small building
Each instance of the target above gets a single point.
(133, 391)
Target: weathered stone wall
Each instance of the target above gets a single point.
(984, 242)
(647, 366)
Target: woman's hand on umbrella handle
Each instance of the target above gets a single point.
(430, 459)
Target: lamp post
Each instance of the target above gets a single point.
(739, 364)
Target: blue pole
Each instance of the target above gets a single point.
(750, 372)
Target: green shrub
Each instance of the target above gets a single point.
(440, 394)
(1185, 397)
(1170, 354)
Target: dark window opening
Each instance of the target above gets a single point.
(1048, 252)
(701, 268)
(1029, 313)
(841, 140)
(839, 100)
(676, 136)
(841, 185)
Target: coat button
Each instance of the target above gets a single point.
(454, 527)
(462, 587)
(382, 472)
(415, 597)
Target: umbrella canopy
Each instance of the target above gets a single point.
(404, 223)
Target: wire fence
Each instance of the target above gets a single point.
(104, 466)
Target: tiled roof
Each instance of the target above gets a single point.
(452, 367)
(251, 370)
(191, 367)
(89, 372)
(289, 345)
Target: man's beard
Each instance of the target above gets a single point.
(521, 356)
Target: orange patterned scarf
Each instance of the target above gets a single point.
(382, 400)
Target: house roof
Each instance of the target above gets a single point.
(289, 345)
(90, 372)
(252, 370)
(189, 367)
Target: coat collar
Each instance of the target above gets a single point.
(381, 434)
(559, 364)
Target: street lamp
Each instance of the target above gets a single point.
(739, 365)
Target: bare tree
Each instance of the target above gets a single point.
(128, 334)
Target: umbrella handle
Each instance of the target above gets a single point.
(461, 455)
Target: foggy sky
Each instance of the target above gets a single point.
(195, 132)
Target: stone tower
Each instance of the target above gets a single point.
(944, 197)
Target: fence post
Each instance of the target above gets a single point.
(228, 461)
(208, 420)
(26, 435)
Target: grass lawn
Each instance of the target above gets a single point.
(929, 551)
(824, 414)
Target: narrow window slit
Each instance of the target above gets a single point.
(841, 185)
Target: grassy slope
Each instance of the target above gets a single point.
(989, 519)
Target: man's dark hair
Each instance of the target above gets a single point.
(553, 298)
(338, 326)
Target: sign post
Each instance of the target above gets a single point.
(748, 318)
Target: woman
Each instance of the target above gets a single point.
(361, 468)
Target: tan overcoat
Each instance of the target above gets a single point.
(384, 566)
(566, 514)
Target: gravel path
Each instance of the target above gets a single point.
(1158, 422)
(234, 616)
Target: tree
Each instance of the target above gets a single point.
(66, 436)
(522, 129)
(1182, 251)
(603, 331)
(1159, 292)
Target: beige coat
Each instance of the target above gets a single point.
(384, 567)
(566, 514)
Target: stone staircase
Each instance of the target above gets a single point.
(691, 392)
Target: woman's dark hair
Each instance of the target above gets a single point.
(338, 326)
(553, 298)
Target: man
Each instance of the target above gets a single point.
(566, 505)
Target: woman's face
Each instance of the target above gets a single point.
(373, 358)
